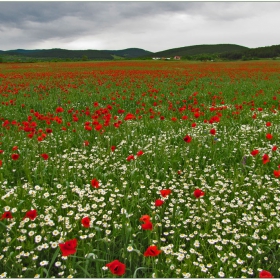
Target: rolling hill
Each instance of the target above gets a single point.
(76, 54)
(196, 52)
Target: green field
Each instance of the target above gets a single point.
(116, 157)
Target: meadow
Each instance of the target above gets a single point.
(140, 169)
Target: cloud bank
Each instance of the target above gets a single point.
(153, 26)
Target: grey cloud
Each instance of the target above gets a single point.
(60, 23)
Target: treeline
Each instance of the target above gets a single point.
(257, 53)
(70, 55)
(197, 50)
(219, 52)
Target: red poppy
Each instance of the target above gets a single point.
(130, 157)
(158, 202)
(140, 153)
(7, 215)
(152, 251)
(213, 131)
(113, 148)
(59, 110)
(48, 130)
(88, 127)
(69, 247)
(116, 267)
(129, 116)
(86, 222)
(145, 218)
(98, 127)
(198, 193)
(15, 156)
(254, 152)
(268, 124)
(269, 136)
(265, 274)
(86, 143)
(274, 148)
(15, 148)
(1, 162)
(276, 173)
(187, 139)
(193, 124)
(95, 183)
(165, 193)
(147, 226)
(265, 159)
(147, 223)
(45, 156)
(31, 214)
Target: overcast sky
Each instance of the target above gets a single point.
(153, 26)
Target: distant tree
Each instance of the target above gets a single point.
(84, 58)
(1, 59)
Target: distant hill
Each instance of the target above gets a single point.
(129, 53)
(76, 54)
(198, 50)
(256, 53)
(61, 54)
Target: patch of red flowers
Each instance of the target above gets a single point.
(152, 251)
(116, 267)
(69, 247)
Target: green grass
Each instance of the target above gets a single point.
(232, 231)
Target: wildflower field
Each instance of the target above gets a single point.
(140, 169)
